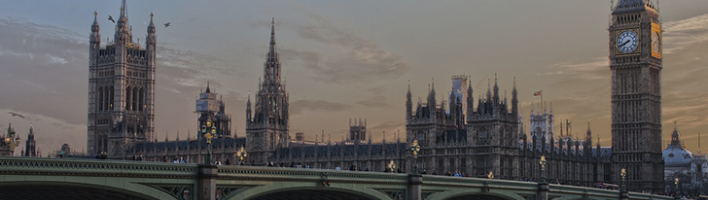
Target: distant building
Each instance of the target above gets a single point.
(268, 122)
(65, 151)
(212, 109)
(691, 169)
(7, 149)
(30, 145)
(357, 131)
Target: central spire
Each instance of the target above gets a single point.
(123, 13)
(272, 36)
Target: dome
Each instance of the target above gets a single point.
(675, 155)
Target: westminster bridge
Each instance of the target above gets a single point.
(45, 178)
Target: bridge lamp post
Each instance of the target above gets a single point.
(392, 166)
(208, 136)
(415, 148)
(241, 153)
(543, 169)
(676, 191)
(623, 173)
(11, 144)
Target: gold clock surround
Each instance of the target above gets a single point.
(656, 29)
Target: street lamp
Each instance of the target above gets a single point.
(543, 168)
(241, 153)
(623, 173)
(208, 137)
(676, 192)
(415, 148)
(392, 166)
(10, 144)
(490, 175)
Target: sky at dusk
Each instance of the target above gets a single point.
(344, 59)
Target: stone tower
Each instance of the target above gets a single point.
(121, 89)
(635, 62)
(541, 124)
(267, 125)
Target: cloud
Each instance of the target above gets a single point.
(300, 106)
(378, 101)
(354, 59)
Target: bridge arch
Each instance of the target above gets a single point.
(356, 191)
(467, 194)
(68, 189)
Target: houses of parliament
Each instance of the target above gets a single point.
(464, 134)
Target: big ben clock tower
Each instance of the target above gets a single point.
(635, 61)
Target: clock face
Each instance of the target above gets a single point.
(627, 41)
(655, 42)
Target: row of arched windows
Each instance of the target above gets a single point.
(105, 98)
(134, 99)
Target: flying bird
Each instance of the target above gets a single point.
(15, 114)
(168, 24)
(111, 18)
(145, 23)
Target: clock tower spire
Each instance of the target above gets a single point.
(635, 62)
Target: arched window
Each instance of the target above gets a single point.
(141, 100)
(127, 98)
(100, 98)
(110, 96)
(135, 99)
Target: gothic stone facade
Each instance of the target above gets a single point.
(121, 89)
(268, 123)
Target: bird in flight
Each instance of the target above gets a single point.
(15, 114)
(168, 24)
(111, 18)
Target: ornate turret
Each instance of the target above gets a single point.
(489, 90)
(470, 100)
(94, 40)
(514, 100)
(431, 95)
(409, 103)
(95, 28)
(496, 90)
(30, 144)
(123, 36)
(151, 27)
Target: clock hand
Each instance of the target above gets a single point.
(624, 43)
